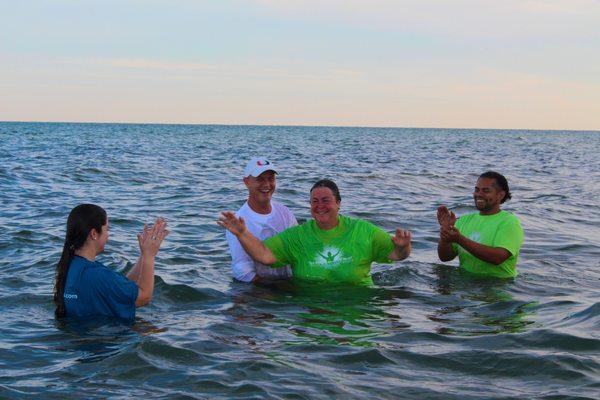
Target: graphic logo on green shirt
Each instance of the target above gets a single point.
(475, 236)
(330, 257)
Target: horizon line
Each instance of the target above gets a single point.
(300, 126)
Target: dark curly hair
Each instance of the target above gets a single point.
(501, 182)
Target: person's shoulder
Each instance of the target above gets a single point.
(510, 219)
(248, 213)
(469, 215)
(243, 210)
(77, 261)
(352, 222)
(309, 224)
(94, 274)
(509, 215)
(283, 214)
(83, 263)
(292, 233)
(107, 279)
(99, 269)
(466, 219)
(276, 204)
(301, 229)
(280, 207)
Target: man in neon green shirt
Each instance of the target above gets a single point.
(487, 242)
(328, 248)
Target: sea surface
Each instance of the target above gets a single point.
(425, 331)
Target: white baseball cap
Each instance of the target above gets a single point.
(257, 166)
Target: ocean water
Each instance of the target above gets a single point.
(425, 331)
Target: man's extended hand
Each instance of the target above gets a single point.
(445, 217)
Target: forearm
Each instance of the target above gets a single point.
(145, 280)
(256, 249)
(445, 251)
(492, 255)
(134, 273)
(149, 240)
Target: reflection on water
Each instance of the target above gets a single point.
(322, 314)
(102, 337)
(486, 306)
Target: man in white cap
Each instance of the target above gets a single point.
(264, 218)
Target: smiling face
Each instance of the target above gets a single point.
(324, 207)
(488, 196)
(260, 191)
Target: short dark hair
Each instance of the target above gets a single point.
(500, 181)
(328, 183)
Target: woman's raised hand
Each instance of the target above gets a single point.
(402, 245)
(402, 238)
(233, 224)
(151, 237)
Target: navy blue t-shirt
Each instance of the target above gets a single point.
(92, 290)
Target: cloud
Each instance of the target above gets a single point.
(250, 69)
(145, 64)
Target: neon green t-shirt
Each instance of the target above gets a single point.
(341, 254)
(502, 229)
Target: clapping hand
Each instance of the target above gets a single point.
(151, 237)
(449, 234)
(445, 217)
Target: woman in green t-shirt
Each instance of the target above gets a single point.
(329, 247)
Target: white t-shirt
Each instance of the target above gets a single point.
(243, 267)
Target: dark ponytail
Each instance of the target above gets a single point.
(82, 219)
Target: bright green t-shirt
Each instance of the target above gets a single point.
(502, 229)
(341, 254)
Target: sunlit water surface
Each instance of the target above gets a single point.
(424, 331)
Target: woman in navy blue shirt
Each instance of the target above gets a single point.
(85, 288)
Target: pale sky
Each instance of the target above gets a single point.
(449, 64)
